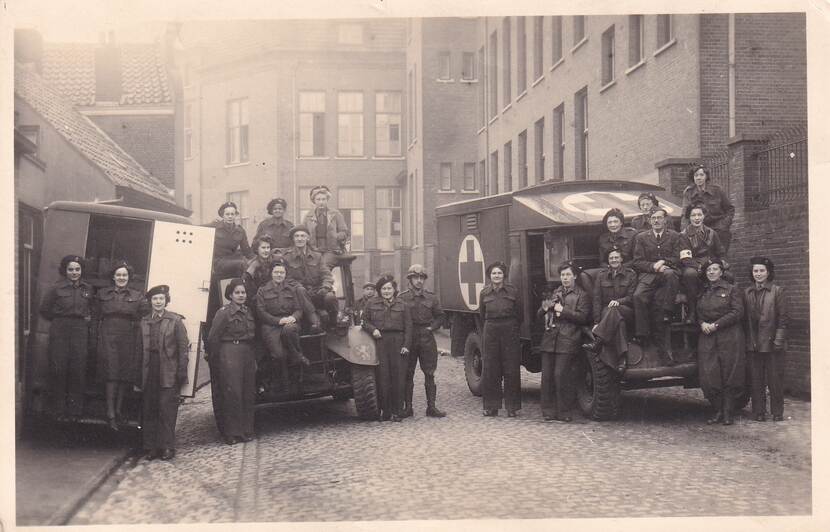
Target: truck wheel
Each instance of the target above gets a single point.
(365, 392)
(598, 389)
(472, 363)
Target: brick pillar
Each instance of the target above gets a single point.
(743, 182)
(672, 175)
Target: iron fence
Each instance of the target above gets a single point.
(782, 176)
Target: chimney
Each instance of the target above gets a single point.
(28, 48)
(108, 71)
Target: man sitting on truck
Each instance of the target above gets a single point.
(305, 266)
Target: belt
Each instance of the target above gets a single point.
(71, 317)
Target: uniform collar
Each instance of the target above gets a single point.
(234, 308)
(766, 285)
(157, 315)
(720, 283)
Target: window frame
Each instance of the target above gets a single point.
(472, 177)
(539, 149)
(238, 132)
(341, 114)
(357, 239)
(608, 58)
(468, 59)
(314, 133)
(538, 47)
(442, 185)
(521, 55)
(379, 208)
(636, 40)
(391, 117)
(557, 40)
(507, 81)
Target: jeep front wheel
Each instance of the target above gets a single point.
(364, 386)
(473, 363)
(598, 388)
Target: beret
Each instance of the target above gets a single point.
(225, 205)
(297, 228)
(159, 289)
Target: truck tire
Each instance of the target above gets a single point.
(598, 389)
(364, 385)
(472, 363)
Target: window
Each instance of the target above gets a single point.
(539, 149)
(608, 56)
(444, 66)
(388, 123)
(388, 213)
(350, 204)
(559, 142)
(522, 159)
(665, 31)
(579, 29)
(244, 215)
(521, 55)
(482, 172)
(581, 133)
(538, 46)
(635, 40)
(506, 43)
(556, 39)
(468, 71)
(482, 104)
(446, 176)
(494, 75)
(237, 131)
(494, 172)
(508, 166)
(303, 201)
(312, 124)
(188, 131)
(469, 176)
(350, 34)
(350, 124)
(33, 134)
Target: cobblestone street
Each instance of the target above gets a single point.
(315, 461)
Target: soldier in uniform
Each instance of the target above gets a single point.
(720, 210)
(68, 304)
(704, 243)
(305, 266)
(427, 317)
(280, 306)
(360, 305)
(276, 226)
(258, 271)
(327, 229)
(230, 245)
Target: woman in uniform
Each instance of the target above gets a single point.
(164, 350)
(647, 202)
(767, 319)
(704, 243)
(388, 320)
(230, 345)
(68, 304)
(280, 306)
(720, 210)
(720, 346)
(230, 245)
(119, 309)
(258, 272)
(501, 312)
(564, 312)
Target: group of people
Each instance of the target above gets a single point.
(643, 268)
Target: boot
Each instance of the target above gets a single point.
(728, 404)
(432, 410)
(407, 400)
(718, 416)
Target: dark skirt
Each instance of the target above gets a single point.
(235, 377)
(119, 359)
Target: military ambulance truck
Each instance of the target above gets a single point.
(533, 230)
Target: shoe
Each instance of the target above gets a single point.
(396, 418)
(761, 417)
(717, 418)
(512, 413)
(152, 455)
(407, 412)
(230, 440)
(247, 437)
(549, 418)
(594, 346)
(168, 454)
(432, 411)
(491, 412)
(386, 416)
(777, 417)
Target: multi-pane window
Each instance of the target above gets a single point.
(350, 204)
(482, 172)
(468, 66)
(303, 203)
(608, 56)
(469, 176)
(665, 31)
(388, 213)
(26, 237)
(506, 41)
(446, 176)
(556, 39)
(494, 74)
(579, 29)
(539, 149)
(521, 55)
(581, 133)
(312, 124)
(494, 172)
(522, 166)
(635, 40)
(508, 166)
(188, 130)
(240, 198)
(482, 103)
(388, 123)
(444, 72)
(559, 142)
(237, 131)
(350, 124)
(538, 46)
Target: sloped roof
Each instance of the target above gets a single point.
(70, 68)
(82, 133)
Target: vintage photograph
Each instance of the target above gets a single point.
(402, 267)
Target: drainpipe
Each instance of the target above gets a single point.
(731, 40)
(485, 181)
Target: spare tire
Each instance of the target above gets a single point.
(598, 388)
(473, 363)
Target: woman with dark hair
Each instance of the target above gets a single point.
(280, 306)
(230, 245)
(276, 227)
(258, 272)
(565, 312)
(68, 304)
(720, 346)
(500, 309)
(163, 371)
(767, 319)
(647, 202)
(119, 309)
(230, 345)
(388, 320)
(704, 243)
(616, 236)
(720, 210)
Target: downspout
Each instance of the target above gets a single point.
(485, 182)
(731, 45)
(293, 188)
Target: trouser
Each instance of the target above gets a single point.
(159, 409)
(612, 330)
(330, 259)
(228, 267)
(725, 236)
(558, 388)
(325, 300)
(500, 361)
(655, 292)
(282, 341)
(391, 372)
(425, 350)
(767, 370)
(722, 374)
(68, 350)
(690, 281)
(236, 373)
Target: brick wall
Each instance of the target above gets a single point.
(714, 83)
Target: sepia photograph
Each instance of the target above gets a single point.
(438, 266)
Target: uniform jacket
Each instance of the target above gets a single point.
(308, 269)
(767, 317)
(256, 275)
(381, 316)
(502, 303)
(647, 250)
(276, 302)
(563, 333)
(173, 349)
(125, 303)
(425, 308)
(230, 242)
(608, 287)
(721, 303)
(359, 308)
(231, 322)
(277, 230)
(704, 246)
(623, 239)
(65, 300)
(720, 209)
(337, 232)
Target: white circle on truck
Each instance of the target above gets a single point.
(470, 271)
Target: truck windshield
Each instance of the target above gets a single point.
(111, 239)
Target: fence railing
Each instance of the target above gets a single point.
(718, 166)
(782, 176)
